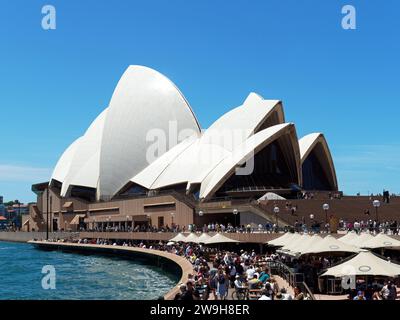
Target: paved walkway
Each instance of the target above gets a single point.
(282, 283)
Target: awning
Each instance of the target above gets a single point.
(75, 220)
(271, 196)
(68, 204)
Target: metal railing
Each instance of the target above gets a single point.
(294, 279)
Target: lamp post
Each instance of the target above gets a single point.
(312, 221)
(276, 211)
(235, 213)
(47, 213)
(376, 204)
(51, 214)
(325, 207)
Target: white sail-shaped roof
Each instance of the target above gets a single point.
(192, 163)
(85, 164)
(62, 167)
(309, 143)
(149, 175)
(235, 126)
(241, 154)
(145, 107)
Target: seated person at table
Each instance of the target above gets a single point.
(238, 283)
(254, 283)
(264, 276)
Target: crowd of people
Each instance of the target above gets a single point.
(245, 274)
(219, 274)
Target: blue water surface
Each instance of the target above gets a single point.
(77, 276)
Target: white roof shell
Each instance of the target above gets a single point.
(308, 143)
(62, 167)
(145, 106)
(191, 161)
(241, 154)
(85, 163)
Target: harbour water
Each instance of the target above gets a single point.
(78, 276)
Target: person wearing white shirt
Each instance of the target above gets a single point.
(250, 273)
(265, 295)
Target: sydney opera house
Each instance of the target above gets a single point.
(146, 160)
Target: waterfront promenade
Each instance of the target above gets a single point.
(254, 237)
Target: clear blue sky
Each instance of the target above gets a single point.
(344, 83)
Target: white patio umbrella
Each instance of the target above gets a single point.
(178, 238)
(301, 246)
(361, 239)
(382, 241)
(284, 239)
(192, 237)
(203, 238)
(292, 244)
(364, 264)
(219, 238)
(330, 244)
(348, 237)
